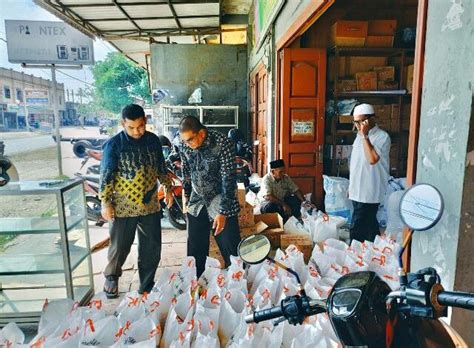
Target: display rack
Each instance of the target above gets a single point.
(400, 96)
(44, 248)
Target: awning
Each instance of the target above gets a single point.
(131, 25)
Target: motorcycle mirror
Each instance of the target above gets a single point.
(254, 249)
(421, 207)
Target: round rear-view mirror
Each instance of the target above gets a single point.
(254, 249)
(421, 207)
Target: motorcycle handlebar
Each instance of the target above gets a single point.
(456, 299)
(266, 314)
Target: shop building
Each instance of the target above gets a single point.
(23, 94)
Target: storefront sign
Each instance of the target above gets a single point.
(40, 42)
(36, 96)
(265, 12)
(302, 128)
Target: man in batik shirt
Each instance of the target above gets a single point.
(210, 189)
(132, 164)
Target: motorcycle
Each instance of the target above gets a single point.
(93, 203)
(175, 214)
(95, 168)
(362, 308)
(243, 170)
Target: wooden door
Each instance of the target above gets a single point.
(302, 101)
(258, 107)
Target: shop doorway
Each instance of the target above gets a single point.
(301, 136)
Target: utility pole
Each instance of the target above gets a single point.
(57, 120)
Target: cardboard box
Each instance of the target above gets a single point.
(410, 78)
(387, 85)
(379, 41)
(347, 67)
(272, 220)
(241, 194)
(385, 73)
(246, 216)
(259, 227)
(349, 33)
(382, 27)
(346, 85)
(345, 119)
(395, 112)
(302, 242)
(366, 81)
(383, 112)
(274, 235)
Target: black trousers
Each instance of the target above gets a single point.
(199, 229)
(294, 203)
(364, 221)
(122, 234)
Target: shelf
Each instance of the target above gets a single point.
(369, 51)
(41, 263)
(375, 94)
(38, 187)
(35, 225)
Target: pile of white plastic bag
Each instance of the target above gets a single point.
(183, 311)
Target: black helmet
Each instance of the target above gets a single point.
(5, 165)
(164, 140)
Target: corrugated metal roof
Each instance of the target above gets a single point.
(130, 25)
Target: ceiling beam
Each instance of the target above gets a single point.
(151, 18)
(174, 14)
(160, 29)
(126, 14)
(143, 3)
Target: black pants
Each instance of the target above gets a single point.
(364, 221)
(122, 234)
(294, 203)
(199, 229)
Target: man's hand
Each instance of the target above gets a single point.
(169, 199)
(364, 128)
(108, 213)
(185, 203)
(287, 209)
(219, 224)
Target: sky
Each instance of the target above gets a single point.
(27, 10)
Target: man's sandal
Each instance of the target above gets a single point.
(111, 287)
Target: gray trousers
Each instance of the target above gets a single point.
(122, 234)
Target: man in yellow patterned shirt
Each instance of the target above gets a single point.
(131, 166)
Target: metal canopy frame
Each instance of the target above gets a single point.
(132, 25)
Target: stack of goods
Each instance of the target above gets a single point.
(183, 311)
(373, 33)
(381, 78)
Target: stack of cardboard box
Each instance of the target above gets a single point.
(270, 225)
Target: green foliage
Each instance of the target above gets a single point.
(118, 81)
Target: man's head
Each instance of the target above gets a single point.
(192, 132)
(134, 120)
(277, 169)
(363, 113)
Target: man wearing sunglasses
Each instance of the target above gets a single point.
(369, 171)
(210, 191)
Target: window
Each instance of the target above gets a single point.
(6, 92)
(19, 94)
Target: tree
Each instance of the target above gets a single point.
(118, 81)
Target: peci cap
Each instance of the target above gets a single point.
(363, 109)
(277, 164)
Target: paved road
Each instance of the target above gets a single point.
(27, 144)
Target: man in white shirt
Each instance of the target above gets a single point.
(369, 171)
(279, 193)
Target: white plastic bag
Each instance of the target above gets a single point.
(336, 200)
(144, 332)
(54, 312)
(393, 185)
(293, 226)
(231, 313)
(131, 308)
(11, 335)
(324, 228)
(101, 333)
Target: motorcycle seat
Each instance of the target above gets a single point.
(93, 178)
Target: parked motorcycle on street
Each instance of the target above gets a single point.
(175, 214)
(93, 203)
(362, 308)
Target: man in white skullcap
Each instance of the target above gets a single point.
(369, 171)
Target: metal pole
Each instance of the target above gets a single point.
(57, 121)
